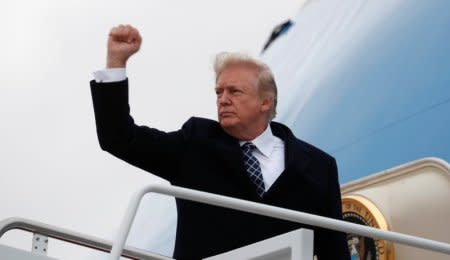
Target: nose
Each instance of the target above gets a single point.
(223, 99)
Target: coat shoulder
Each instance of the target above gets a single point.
(315, 150)
(286, 134)
(197, 127)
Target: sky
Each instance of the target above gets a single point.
(52, 169)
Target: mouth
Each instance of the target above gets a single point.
(226, 114)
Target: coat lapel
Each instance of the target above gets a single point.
(297, 157)
(231, 155)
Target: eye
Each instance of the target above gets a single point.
(236, 91)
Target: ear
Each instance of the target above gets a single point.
(266, 104)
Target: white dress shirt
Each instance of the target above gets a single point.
(110, 75)
(270, 149)
(270, 154)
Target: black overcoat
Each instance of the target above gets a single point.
(202, 156)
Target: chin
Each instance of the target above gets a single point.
(227, 123)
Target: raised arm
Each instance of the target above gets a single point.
(147, 148)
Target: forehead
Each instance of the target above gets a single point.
(236, 75)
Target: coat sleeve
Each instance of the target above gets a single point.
(152, 150)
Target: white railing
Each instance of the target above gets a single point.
(118, 249)
(72, 237)
(266, 210)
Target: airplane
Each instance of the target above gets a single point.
(368, 82)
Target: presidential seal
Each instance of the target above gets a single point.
(359, 210)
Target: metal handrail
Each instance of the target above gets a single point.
(266, 210)
(73, 237)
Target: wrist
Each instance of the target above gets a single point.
(112, 63)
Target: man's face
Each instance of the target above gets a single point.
(240, 106)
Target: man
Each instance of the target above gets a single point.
(244, 155)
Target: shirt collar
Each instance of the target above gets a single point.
(265, 142)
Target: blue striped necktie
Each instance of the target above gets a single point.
(253, 168)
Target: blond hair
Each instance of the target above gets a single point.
(265, 81)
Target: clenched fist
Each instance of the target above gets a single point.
(123, 41)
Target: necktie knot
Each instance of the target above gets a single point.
(248, 147)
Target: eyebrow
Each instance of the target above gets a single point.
(227, 86)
